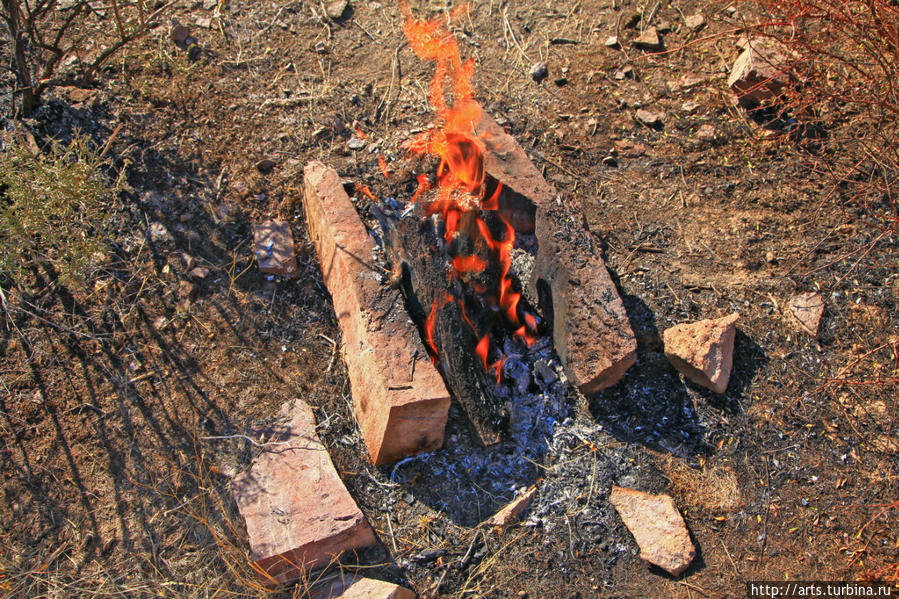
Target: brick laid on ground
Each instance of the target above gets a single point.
(400, 399)
(591, 331)
(274, 248)
(357, 587)
(298, 514)
(703, 351)
(657, 526)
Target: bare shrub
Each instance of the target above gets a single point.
(845, 55)
(44, 33)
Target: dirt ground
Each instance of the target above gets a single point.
(126, 406)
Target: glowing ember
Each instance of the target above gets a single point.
(382, 164)
(461, 178)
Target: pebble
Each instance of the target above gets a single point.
(265, 166)
(180, 33)
(649, 39)
(337, 9)
(649, 118)
(539, 71)
(695, 22)
(355, 143)
(612, 41)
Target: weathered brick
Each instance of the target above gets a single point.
(657, 526)
(703, 351)
(591, 331)
(357, 587)
(298, 514)
(274, 248)
(400, 399)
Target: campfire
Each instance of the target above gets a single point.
(452, 241)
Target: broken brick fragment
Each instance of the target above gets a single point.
(657, 526)
(274, 248)
(357, 587)
(703, 351)
(400, 399)
(298, 514)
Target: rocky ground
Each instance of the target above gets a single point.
(128, 405)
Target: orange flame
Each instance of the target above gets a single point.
(364, 190)
(461, 173)
(467, 264)
(431, 319)
(382, 164)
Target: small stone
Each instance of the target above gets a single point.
(649, 39)
(759, 74)
(200, 272)
(703, 351)
(180, 34)
(512, 511)
(265, 166)
(611, 41)
(539, 71)
(158, 233)
(355, 143)
(210, 4)
(337, 9)
(629, 148)
(78, 95)
(695, 22)
(626, 72)
(689, 106)
(657, 526)
(649, 118)
(808, 309)
(204, 22)
(187, 290)
(706, 132)
(770, 258)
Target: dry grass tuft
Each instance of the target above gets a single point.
(711, 489)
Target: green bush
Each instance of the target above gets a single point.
(53, 208)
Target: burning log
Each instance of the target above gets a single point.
(577, 297)
(445, 285)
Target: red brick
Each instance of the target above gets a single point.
(400, 399)
(357, 587)
(298, 514)
(591, 331)
(657, 526)
(274, 248)
(703, 351)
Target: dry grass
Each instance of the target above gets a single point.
(708, 490)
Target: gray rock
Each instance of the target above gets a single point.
(539, 71)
